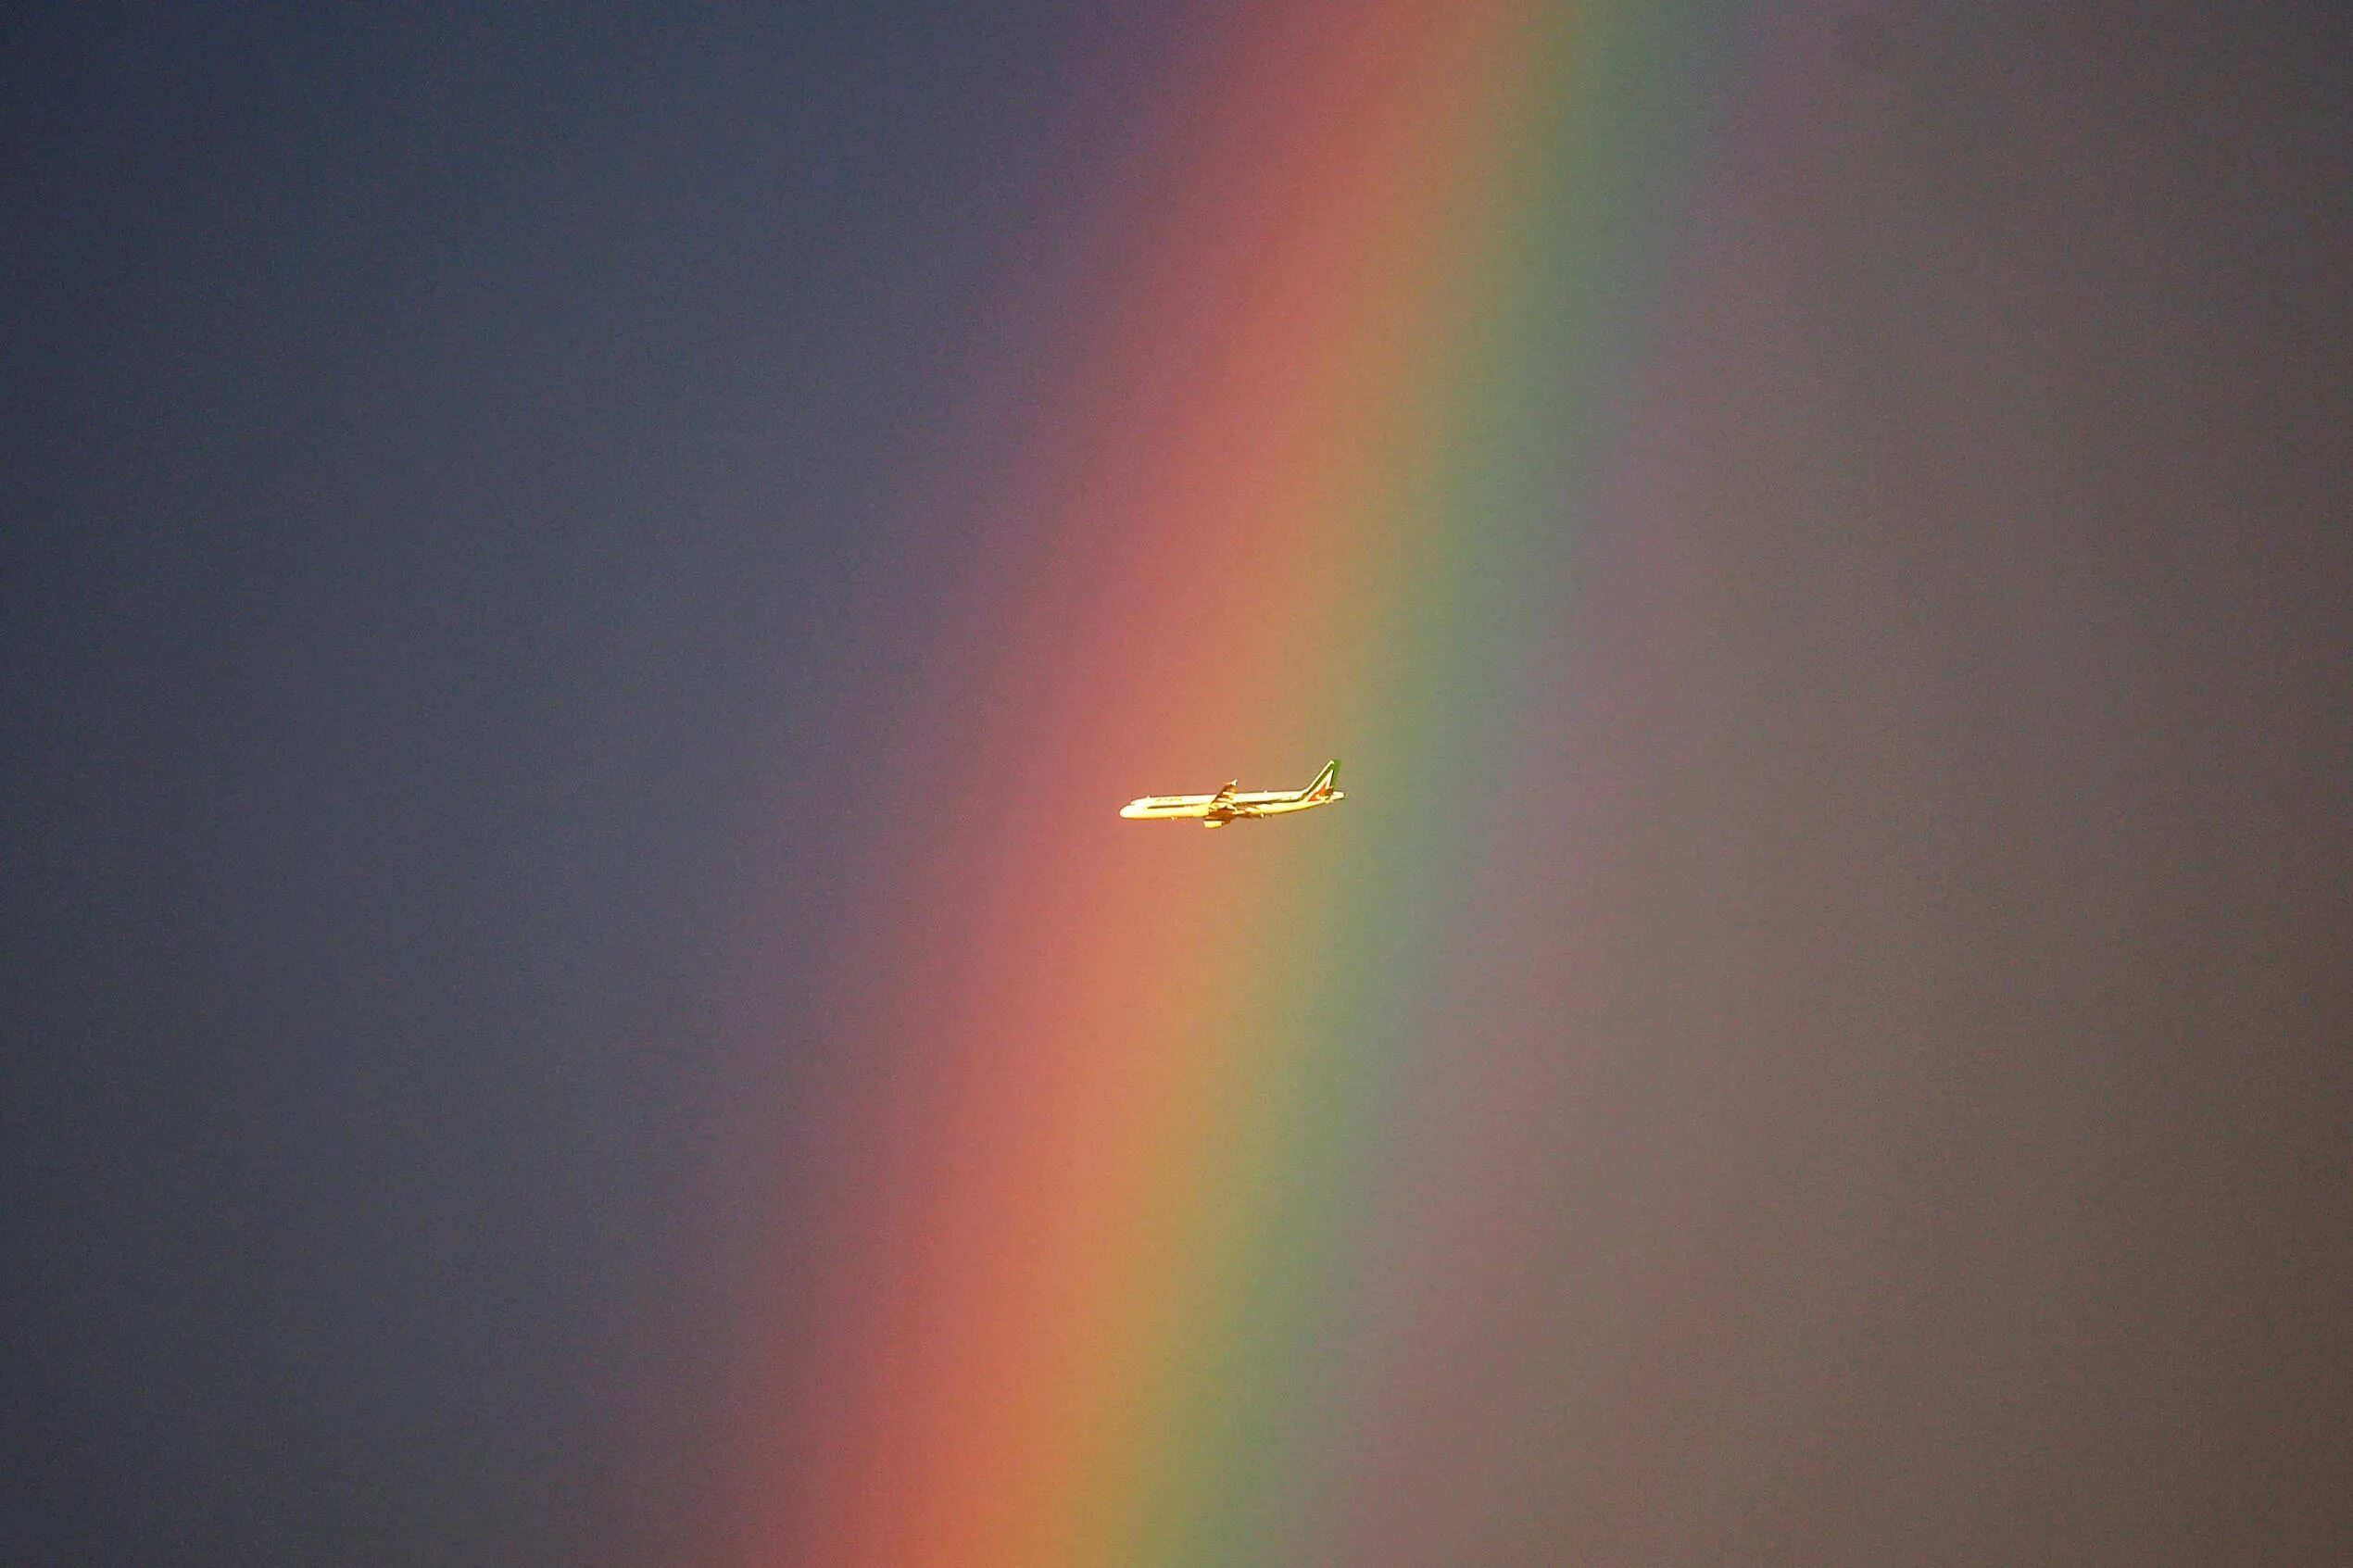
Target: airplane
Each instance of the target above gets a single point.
(1228, 806)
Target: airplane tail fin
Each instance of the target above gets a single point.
(1325, 781)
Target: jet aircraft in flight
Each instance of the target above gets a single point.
(1228, 806)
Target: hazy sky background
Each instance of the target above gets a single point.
(470, 503)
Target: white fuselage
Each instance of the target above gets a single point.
(1230, 806)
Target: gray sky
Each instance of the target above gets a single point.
(469, 502)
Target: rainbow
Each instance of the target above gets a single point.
(1132, 1251)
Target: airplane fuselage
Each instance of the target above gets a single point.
(1229, 804)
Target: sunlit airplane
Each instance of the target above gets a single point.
(1228, 806)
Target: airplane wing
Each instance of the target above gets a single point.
(1225, 796)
